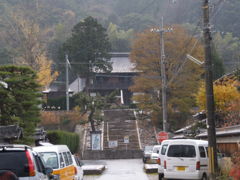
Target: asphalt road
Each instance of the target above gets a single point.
(123, 169)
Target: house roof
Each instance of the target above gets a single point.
(77, 85)
(122, 65)
(226, 131)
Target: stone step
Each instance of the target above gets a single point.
(120, 123)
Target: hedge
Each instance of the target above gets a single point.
(63, 137)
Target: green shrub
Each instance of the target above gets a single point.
(63, 137)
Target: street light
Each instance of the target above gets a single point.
(193, 59)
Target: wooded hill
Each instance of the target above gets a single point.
(122, 18)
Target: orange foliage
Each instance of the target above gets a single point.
(146, 56)
(56, 117)
(235, 170)
(45, 74)
(227, 99)
(224, 97)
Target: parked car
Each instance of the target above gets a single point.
(186, 159)
(78, 165)
(59, 158)
(7, 175)
(23, 162)
(154, 155)
(147, 153)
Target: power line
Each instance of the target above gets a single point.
(220, 5)
(180, 67)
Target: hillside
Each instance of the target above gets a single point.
(57, 17)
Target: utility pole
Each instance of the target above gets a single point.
(163, 74)
(212, 153)
(67, 83)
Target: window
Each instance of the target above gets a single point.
(39, 164)
(187, 151)
(69, 157)
(66, 158)
(202, 151)
(164, 148)
(62, 164)
(155, 149)
(50, 159)
(206, 150)
(14, 161)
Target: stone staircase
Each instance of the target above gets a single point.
(120, 124)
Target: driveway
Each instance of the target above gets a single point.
(121, 169)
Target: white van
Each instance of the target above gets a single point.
(59, 158)
(186, 159)
(161, 156)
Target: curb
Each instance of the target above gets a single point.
(151, 168)
(93, 169)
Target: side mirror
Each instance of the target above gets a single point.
(48, 170)
(81, 163)
(157, 151)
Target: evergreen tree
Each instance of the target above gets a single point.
(88, 47)
(20, 100)
(218, 68)
(93, 106)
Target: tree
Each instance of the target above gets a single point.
(228, 47)
(88, 46)
(226, 99)
(26, 42)
(45, 75)
(218, 67)
(93, 106)
(20, 100)
(120, 39)
(146, 56)
(224, 95)
(136, 21)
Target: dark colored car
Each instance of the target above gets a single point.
(22, 162)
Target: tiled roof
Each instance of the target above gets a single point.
(227, 131)
(122, 65)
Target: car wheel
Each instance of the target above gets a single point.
(160, 176)
(5, 174)
(204, 177)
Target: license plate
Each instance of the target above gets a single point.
(181, 168)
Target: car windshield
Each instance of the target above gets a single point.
(148, 148)
(156, 149)
(187, 151)
(50, 159)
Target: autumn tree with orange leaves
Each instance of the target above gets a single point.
(147, 85)
(28, 43)
(226, 100)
